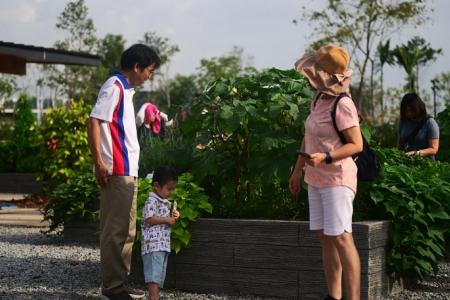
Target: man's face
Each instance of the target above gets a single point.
(141, 75)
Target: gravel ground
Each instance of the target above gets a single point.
(36, 266)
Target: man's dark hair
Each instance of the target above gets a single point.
(413, 101)
(141, 55)
(164, 174)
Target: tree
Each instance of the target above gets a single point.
(17, 152)
(415, 53)
(75, 21)
(25, 153)
(443, 86)
(361, 25)
(166, 50)
(183, 90)
(384, 57)
(110, 48)
(228, 66)
(74, 81)
(7, 87)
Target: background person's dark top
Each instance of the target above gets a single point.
(430, 130)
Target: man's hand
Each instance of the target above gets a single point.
(101, 173)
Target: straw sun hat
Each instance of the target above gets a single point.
(327, 69)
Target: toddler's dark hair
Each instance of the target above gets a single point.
(164, 174)
(139, 54)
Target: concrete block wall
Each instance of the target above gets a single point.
(270, 258)
(19, 183)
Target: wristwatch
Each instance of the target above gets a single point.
(328, 158)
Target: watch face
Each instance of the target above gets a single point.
(328, 158)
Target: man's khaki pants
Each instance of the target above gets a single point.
(118, 230)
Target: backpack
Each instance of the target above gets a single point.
(369, 167)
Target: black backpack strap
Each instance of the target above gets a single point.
(333, 117)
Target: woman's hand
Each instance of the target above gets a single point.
(315, 159)
(410, 153)
(294, 182)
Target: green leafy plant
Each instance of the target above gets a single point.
(63, 144)
(243, 135)
(192, 202)
(17, 153)
(443, 119)
(156, 151)
(76, 199)
(413, 193)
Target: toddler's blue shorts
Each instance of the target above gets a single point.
(155, 264)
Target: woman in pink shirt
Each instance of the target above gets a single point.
(329, 168)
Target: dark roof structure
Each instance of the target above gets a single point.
(14, 57)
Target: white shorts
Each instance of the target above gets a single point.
(330, 209)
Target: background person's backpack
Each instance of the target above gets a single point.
(367, 161)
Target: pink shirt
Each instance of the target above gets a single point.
(320, 136)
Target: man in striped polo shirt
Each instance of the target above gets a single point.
(115, 151)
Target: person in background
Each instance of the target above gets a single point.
(329, 168)
(418, 133)
(151, 118)
(114, 147)
(157, 220)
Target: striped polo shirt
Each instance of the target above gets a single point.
(119, 145)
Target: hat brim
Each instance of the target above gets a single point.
(320, 80)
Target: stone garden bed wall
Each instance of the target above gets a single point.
(19, 183)
(270, 258)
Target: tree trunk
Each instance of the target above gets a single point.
(372, 104)
(382, 90)
(361, 86)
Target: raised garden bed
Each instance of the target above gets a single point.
(19, 183)
(270, 258)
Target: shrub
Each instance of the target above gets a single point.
(243, 135)
(414, 194)
(443, 119)
(76, 199)
(167, 150)
(63, 144)
(17, 153)
(192, 202)
(384, 135)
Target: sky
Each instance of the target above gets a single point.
(210, 28)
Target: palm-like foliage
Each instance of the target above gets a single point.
(416, 52)
(384, 57)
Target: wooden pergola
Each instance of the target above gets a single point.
(14, 57)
